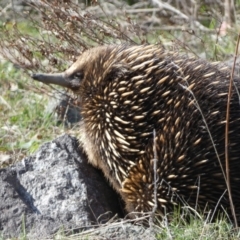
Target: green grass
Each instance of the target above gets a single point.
(198, 228)
(25, 123)
(177, 229)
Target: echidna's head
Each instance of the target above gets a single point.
(73, 76)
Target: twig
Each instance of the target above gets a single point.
(144, 10)
(227, 135)
(218, 203)
(204, 121)
(5, 9)
(163, 5)
(152, 215)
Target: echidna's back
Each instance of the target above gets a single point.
(184, 101)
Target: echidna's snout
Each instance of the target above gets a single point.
(60, 79)
(55, 78)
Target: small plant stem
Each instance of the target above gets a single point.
(227, 135)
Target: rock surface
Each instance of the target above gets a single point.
(120, 231)
(54, 189)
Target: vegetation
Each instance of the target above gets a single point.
(49, 35)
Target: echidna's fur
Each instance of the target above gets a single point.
(127, 93)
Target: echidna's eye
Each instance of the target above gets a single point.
(75, 80)
(77, 76)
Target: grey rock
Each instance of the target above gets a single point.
(54, 189)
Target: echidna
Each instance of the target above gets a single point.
(128, 94)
